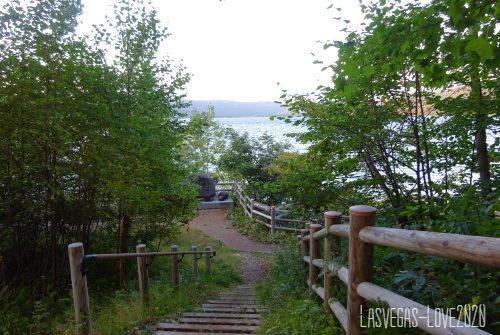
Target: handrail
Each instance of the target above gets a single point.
(474, 249)
(79, 261)
(362, 236)
(144, 254)
(252, 207)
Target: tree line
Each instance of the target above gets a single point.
(90, 137)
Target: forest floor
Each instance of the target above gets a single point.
(255, 255)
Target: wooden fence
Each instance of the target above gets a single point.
(362, 236)
(79, 263)
(265, 214)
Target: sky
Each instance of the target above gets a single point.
(241, 49)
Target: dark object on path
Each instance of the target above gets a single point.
(223, 195)
(206, 184)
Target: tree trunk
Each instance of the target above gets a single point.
(483, 163)
(124, 230)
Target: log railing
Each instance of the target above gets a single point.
(79, 263)
(265, 214)
(363, 236)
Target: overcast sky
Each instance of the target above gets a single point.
(240, 49)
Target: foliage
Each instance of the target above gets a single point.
(89, 145)
(253, 229)
(204, 141)
(292, 310)
(119, 311)
(413, 96)
(251, 160)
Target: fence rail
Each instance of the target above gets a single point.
(79, 262)
(363, 236)
(266, 214)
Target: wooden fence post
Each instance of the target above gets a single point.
(272, 213)
(79, 285)
(330, 218)
(303, 244)
(194, 263)
(360, 263)
(142, 271)
(175, 267)
(208, 257)
(251, 207)
(313, 254)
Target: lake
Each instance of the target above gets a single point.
(257, 126)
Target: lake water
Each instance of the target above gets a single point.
(257, 126)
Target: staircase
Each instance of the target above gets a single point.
(234, 312)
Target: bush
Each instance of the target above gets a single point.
(255, 230)
(284, 293)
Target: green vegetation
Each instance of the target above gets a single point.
(291, 309)
(254, 229)
(204, 141)
(93, 148)
(404, 122)
(88, 146)
(116, 311)
(409, 125)
(124, 312)
(251, 160)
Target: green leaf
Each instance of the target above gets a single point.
(455, 12)
(481, 47)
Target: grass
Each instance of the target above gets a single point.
(122, 311)
(291, 309)
(254, 230)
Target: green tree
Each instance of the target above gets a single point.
(204, 141)
(251, 160)
(144, 174)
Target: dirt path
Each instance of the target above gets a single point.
(213, 222)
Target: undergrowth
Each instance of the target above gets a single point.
(291, 309)
(255, 230)
(116, 311)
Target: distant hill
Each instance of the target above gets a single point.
(225, 108)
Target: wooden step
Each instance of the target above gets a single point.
(239, 296)
(221, 321)
(210, 305)
(234, 312)
(202, 327)
(221, 315)
(175, 332)
(231, 301)
(230, 310)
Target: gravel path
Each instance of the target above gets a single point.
(213, 222)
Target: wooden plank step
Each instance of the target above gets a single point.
(237, 296)
(175, 332)
(221, 315)
(229, 306)
(205, 328)
(221, 321)
(231, 302)
(230, 310)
